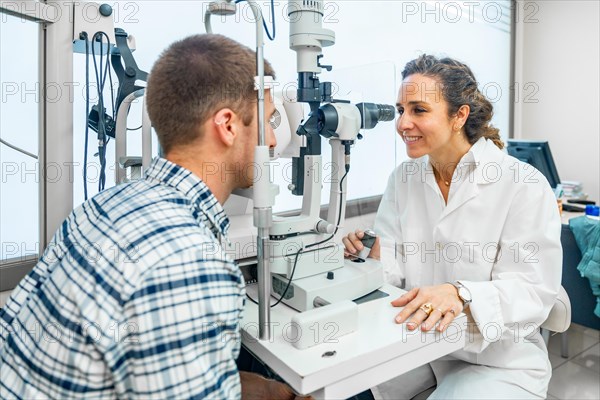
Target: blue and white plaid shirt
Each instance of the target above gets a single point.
(134, 297)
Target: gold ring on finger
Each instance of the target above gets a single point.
(427, 308)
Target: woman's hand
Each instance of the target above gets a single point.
(444, 301)
(354, 245)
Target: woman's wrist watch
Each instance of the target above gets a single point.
(464, 294)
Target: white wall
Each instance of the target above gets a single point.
(366, 61)
(558, 52)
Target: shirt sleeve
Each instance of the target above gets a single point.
(387, 226)
(181, 337)
(527, 273)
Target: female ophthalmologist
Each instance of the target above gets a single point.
(474, 230)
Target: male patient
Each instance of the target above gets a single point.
(134, 296)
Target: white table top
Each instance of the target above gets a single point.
(379, 350)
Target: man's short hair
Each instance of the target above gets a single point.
(194, 78)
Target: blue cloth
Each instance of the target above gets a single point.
(133, 298)
(587, 236)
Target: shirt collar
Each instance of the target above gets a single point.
(469, 162)
(484, 159)
(473, 156)
(192, 187)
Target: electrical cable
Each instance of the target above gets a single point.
(87, 113)
(317, 243)
(101, 81)
(347, 168)
(112, 95)
(102, 140)
(20, 150)
(264, 23)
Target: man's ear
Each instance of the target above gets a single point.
(224, 122)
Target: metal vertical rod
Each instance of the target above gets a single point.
(262, 212)
(337, 199)
(42, 236)
(264, 286)
(146, 137)
(262, 203)
(56, 135)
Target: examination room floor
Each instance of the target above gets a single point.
(576, 377)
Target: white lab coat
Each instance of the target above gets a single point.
(499, 234)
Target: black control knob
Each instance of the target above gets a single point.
(105, 10)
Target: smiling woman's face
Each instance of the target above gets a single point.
(423, 121)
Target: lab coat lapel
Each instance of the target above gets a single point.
(485, 163)
(465, 192)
